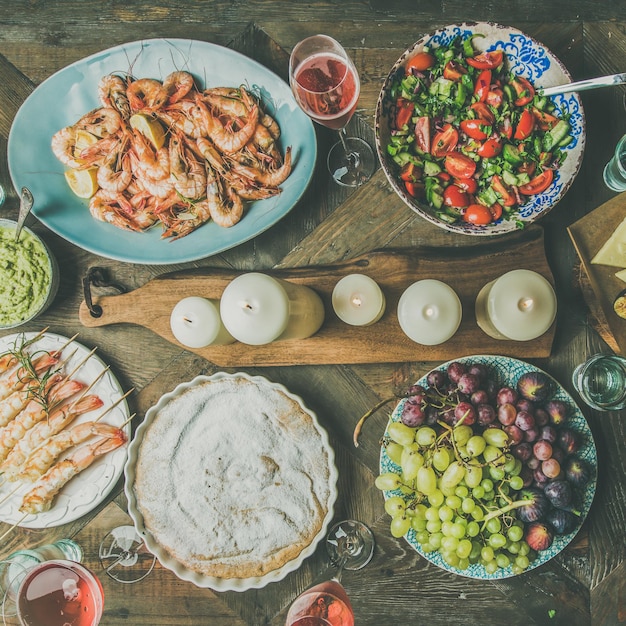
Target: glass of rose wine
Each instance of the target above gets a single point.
(55, 593)
(326, 85)
(124, 555)
(350, 545)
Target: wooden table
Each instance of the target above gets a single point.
(582, 585)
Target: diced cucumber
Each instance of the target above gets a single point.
(509, 178)
(431, 168)
(511, 154)
(447, 218)
(555, 135)
(488, 196)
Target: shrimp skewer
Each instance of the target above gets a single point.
(20, 377)
(48, 452)
(39, 499)
(60, 389)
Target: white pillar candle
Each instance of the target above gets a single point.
(519, 305)
(196, 323)
(429, 312)
(358, 300)
(258, 309)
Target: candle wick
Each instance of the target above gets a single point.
(246, 305)
(186, 319)
(356, 300)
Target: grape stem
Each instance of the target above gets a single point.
(505, 509)
(359, 424)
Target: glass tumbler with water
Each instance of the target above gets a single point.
(601, 382)
(615, 170)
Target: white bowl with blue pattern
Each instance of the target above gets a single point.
(525, 57)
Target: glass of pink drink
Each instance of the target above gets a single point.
(326, 85)
(350, 545)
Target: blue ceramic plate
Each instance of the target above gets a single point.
(525, 57)
(70, 93)
(506, 371)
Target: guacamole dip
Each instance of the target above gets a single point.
(25, 276)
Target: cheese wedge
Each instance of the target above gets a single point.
(613, 252)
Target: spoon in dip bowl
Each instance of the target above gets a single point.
(26, 204)
(583, 85)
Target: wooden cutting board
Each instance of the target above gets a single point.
(466, 270)
(588, 235)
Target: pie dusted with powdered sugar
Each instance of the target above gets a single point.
(233, 477)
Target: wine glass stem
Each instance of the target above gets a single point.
(352, 156)
(340, 565)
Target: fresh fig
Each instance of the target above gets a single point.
(535, 386)
(563, 522)
(539, 536)
(557, 410)
(577, 471)
(559, 493)
(535, 505)
(568, 440)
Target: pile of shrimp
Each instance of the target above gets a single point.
(40, 446)
(220, 150)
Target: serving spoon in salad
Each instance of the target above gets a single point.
(583, 85)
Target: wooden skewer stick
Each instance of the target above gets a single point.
(14, 526)
(116, 403)
(127, 421)
(79, 365)
(11, 493)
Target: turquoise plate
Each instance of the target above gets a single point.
(506, 371)
(70, 93)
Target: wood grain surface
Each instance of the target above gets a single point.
(584, 584)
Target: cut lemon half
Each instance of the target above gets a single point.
(149, 128)
(82, 182)
(83, 140)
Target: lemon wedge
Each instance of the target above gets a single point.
(149, 128)
(82, 182)
(83, 140)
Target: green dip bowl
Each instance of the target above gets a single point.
(29, 276)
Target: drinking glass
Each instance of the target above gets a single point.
(55, 593)
(326, 85)
(601, 382)
(615, 170)
(124, 556)
(350, 545)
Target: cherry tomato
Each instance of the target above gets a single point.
(527, 167)
(486, 60)
(483, 82)
(483, 112)
(453, 196)
(444, 141)
(491, 148)
(524, 90)
(525, 126)
(420, 62)
(477, 214)
(422, 133)
(545, 121)
(410, 172)
(404, 111)
(538, 183)
(495, 96)
(496, 211)
(459, 165)
(416, 190)
(505, 127)
(444, 176)
(469, 185)
(508, 198)
(474, 129)
(453, 70)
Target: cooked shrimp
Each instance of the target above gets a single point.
(59, 419)
(21, 376)
(272, 177)
(34, 412)
(225, 206)
(12, 405)
(39, 499)
(101, 122)
(271, 124)
(178, 85)
(226, 140)
(153, 163)
(115, 174)
(96, 154)
(210, 153)
(48, 452)
(7, 362)
(112, 93)
(187, 220)
(105, 210)
(186, 173)
(146, 94)
(63, 145)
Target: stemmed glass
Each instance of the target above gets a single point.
(326, 85)
(350, 545)
(124, 556)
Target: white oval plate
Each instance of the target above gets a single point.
(201, 580)
(74, 91)
(87, 490)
